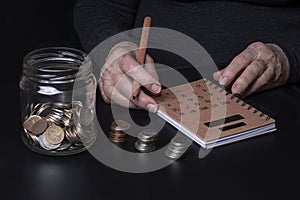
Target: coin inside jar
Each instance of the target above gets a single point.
(54, 134)
(86, 116)
(45, 144)
(35, 124)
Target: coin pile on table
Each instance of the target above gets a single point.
(54, 126)
(146, 140)
(178, 146)
(117, 133)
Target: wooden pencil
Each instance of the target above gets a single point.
(141, 54)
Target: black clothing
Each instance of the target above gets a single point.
(224, 28)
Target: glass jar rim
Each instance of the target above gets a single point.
(56, 65)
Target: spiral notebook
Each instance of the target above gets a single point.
(210, 115)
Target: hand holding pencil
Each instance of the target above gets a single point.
(141, 54)
(124, 73)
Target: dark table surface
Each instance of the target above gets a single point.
(261, 167)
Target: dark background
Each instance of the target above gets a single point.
(31, 24)
(260, 168)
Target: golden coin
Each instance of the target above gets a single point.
(35, 124)
(119, 125)
(117, 134)
(30, 121)
(117, 140)
(39, 127)
(54, 134)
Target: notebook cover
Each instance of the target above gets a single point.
(209, 112)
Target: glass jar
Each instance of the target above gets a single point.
(57, 93)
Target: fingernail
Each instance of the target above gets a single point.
(223, 80)
(237, 89)
(151, 107)
(217, 75)
(155, 88)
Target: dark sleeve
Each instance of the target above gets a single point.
(292, 51)
(96, 20)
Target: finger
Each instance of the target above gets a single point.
(150, 67)
(101, 88)
(146, 102)
(130, 67)
(236, 66)
(218, 74)
(114, 79)
(114, 96)
(248, 76)
(124, 85)
(262, 82)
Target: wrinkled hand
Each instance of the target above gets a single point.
(259, 67)
(120, 68)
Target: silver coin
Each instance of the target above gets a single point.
(147, 136)
(181, 141)
(145, 149)
(144, 145)
(61, 105)
(176, 150)
(72, 134)
(83, 133)
(59, 117)
(86, 116)
(64, 146)
(54, 119)
(46, 145)
(42, 108)
(172, 155)
(33, 138)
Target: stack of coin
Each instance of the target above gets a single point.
(53, 126)
(117, 133)
(146, 140)
(178, 146)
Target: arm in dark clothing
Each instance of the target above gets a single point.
(292, 51)
(97, 20)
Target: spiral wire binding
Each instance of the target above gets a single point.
(244, 102)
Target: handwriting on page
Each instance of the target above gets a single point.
(187, 100)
